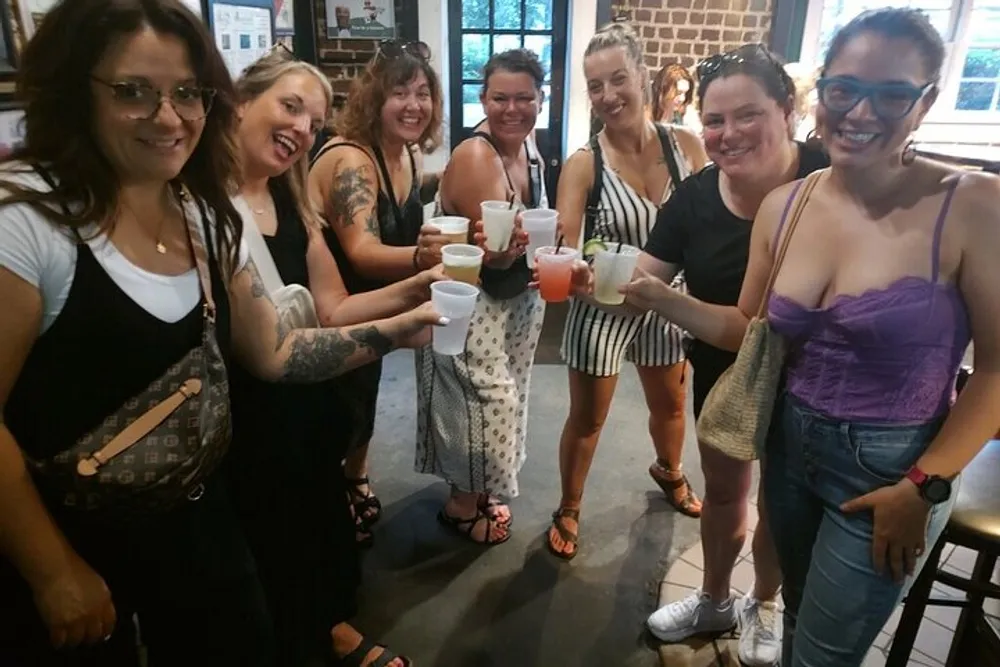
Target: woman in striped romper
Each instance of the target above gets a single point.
(617, 185)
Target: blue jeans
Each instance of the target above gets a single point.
(835, 601)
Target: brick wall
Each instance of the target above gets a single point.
(688, 30)
(342, 59)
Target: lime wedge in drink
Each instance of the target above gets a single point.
(592, 246)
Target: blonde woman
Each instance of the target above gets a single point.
(288, 483)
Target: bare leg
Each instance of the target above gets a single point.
(589, 402)
(767, 572)
(723, 518)
(665, 392)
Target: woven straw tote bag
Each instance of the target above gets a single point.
(737, 412)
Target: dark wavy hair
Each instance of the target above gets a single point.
(54, 84)
(361, 118)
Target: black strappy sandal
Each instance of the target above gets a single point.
(464, 527)
(364, 503)
(565, 533)
(356, 658)
(686, 505)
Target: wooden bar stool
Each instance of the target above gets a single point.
(975, 524)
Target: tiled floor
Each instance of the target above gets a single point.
(930, 648)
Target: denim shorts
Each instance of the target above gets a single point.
(835, 601)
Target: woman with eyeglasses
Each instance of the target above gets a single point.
(473, 408)
(891, 270)
(367, 179)
(747, 110)
(285, 470)
(123, 275)
(610, 193)
(673, 91)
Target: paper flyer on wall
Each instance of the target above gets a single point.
(242, 34)
(360, 19)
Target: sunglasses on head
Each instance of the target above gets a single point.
(390, 49)
(889, 101)
(748, 53)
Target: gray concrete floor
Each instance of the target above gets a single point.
(445, 602)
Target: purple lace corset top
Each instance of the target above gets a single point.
(888, 355)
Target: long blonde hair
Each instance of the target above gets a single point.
(256, 80)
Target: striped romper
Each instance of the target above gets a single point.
(594, 340)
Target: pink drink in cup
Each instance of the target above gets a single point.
(555, 272)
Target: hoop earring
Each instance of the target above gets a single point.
(812, 137)
(909, 153)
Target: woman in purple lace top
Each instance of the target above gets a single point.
(891, 271)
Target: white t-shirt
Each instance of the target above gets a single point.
(44, 255)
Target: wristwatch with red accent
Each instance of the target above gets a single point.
(933, 489)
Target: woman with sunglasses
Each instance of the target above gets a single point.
(122, 269)
(891, 270)
(285, 471)
(747, 113)
(473, 408)
(611, 192)
(367, 179)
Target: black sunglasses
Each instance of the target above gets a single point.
(748, 53)
(890, 101)
(390, 49)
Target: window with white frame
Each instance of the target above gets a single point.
(970, 87)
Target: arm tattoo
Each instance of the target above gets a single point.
(372, 225)
(351, 192)
(373, 339)
(325, 353)
(259, 291)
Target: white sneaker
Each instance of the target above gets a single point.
(695, 614)
(760, 632)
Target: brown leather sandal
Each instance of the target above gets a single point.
(686, 505)
(565, 533)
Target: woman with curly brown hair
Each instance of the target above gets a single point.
(125, 283)
(367, 180)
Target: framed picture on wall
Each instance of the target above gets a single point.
(360, 19)
(31, 13)
(243, 31)
(195, 6)
(284, 17)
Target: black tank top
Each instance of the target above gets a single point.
(399, 225)
(284, 431)
(512, 281)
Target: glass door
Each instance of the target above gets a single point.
(480, 28)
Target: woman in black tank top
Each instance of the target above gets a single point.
(101, 224)
(368, 179)
(286, 470)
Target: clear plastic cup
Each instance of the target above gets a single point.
(456, 301)
(555, 272)
(462, 262)
(455, 227)
(613, 269)
(540, 224)
(498, 224)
